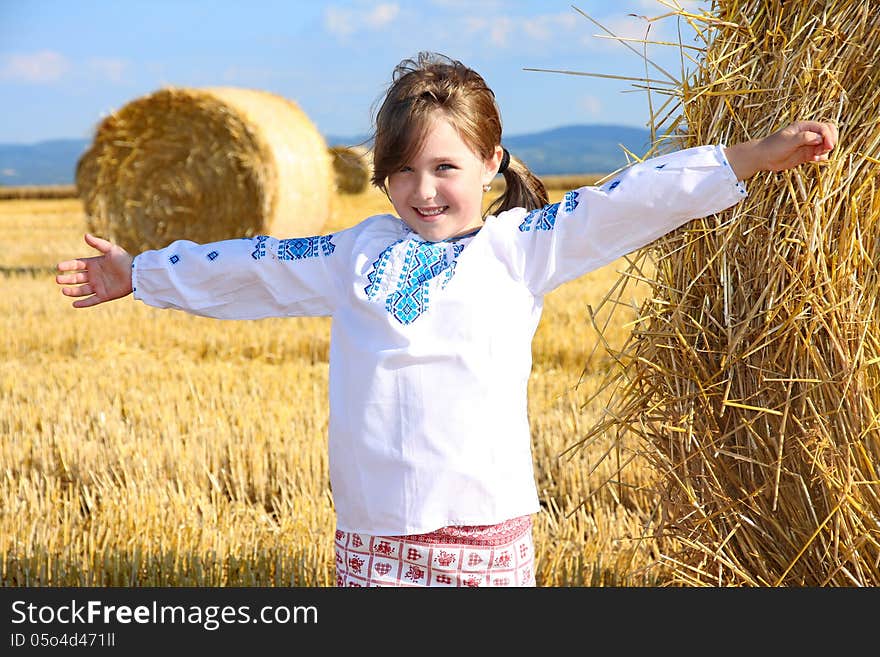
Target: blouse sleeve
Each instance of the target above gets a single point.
(593, 226)
(248, 278)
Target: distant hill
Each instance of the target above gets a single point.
(44, 163)
(575, 149)
(578, 149)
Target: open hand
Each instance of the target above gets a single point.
(99, 278)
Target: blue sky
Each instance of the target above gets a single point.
(66, 64)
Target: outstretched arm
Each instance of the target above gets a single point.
(99, 278)
(799, 142)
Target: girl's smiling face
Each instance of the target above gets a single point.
(439, 193)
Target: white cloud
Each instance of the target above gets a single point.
(467, 4)
(690, 5)
(568, 27)
(499, 31)
(474, 23)
(624, 27)
(339, 21)
(381, 15)
(506, 31)
(549, 26)
(345, 22)
(37, 68)
(462, 22)
(590, 105)
(108, 68)
(633, 31)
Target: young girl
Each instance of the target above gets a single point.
(434, 311)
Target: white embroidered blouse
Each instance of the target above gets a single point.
(430, 348)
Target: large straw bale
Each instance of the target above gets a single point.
(753, 374)
(352, 168)
(205, 164)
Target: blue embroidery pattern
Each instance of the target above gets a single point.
(305, 247)
(542, 218)
(614, 183)
(213, 255)
(422, 262)
(174, 259)
(377, 273)
(296, 248)
(545, 218)
(259, 247)
(456, 251)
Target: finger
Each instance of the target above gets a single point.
(72, 279)
(85, 303)
(78, 291)
(72, 265)
(98, 243)
(797, 157)
(810, 126)
(810, 138)
(811, 144)
(828, 132)
(831, 135)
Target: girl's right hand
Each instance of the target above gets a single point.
(100, 278)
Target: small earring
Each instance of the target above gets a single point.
(487, 188)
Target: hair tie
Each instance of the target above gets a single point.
(505, 160)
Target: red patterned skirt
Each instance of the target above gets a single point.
(475, 555)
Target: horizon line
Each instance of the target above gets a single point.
(326, 135)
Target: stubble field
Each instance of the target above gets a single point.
(144, 447)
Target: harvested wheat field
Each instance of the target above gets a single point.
(147, 447)
(751, 379)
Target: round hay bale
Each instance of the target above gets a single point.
(205, 164)
(352, 168)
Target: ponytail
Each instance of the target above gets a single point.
(523, 189)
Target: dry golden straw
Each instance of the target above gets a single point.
(205, 164)
(751, 374)
(352, 168)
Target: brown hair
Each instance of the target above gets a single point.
(430, 82)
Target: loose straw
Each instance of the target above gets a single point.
(751, 376)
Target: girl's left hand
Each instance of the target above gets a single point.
(802, 141)
(793, 145)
